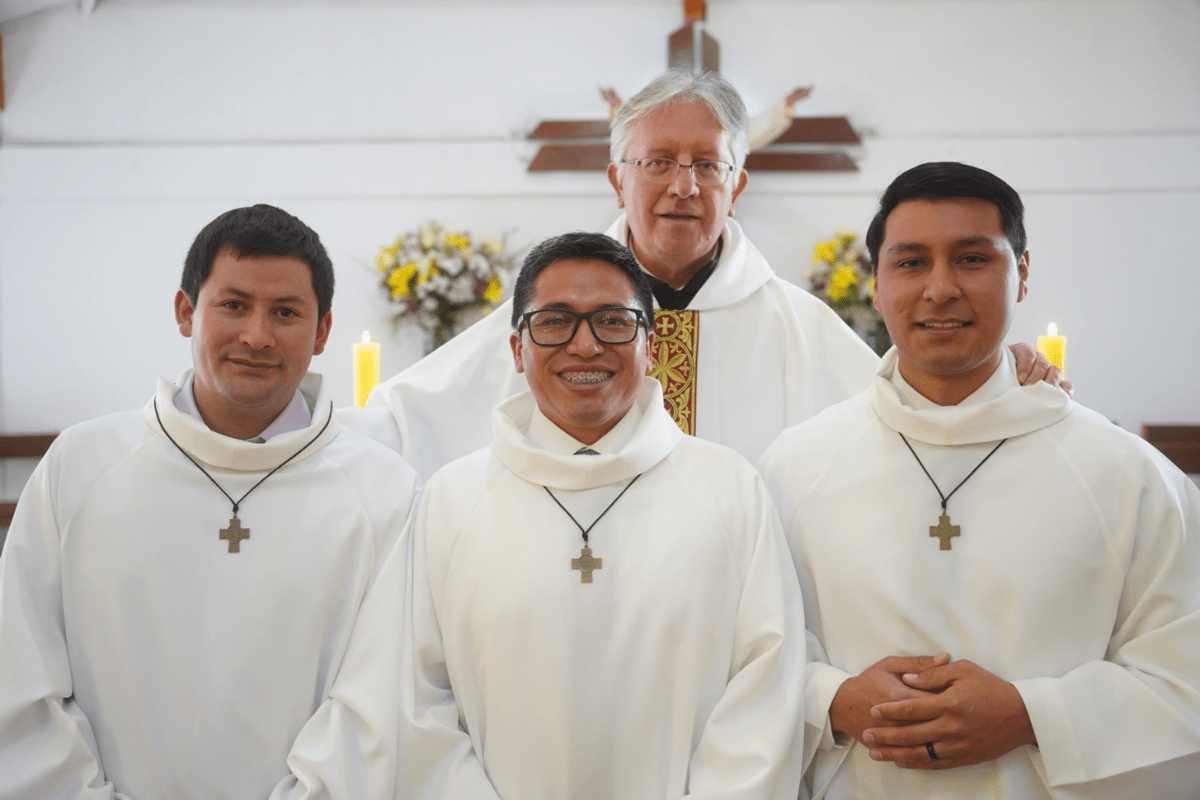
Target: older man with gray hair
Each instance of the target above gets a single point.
(741, 353)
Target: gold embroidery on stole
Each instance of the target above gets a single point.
(676, 343)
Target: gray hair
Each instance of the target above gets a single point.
(681, 85)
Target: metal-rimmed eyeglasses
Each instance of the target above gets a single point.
(549, 327)
(663, 170)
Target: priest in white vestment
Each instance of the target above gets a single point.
(204, 598)
(602, 605)
(950, 515)
(741, 353)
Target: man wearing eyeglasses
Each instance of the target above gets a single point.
(742, 354)
(602, 606)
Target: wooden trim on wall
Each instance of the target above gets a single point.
(1180, 443)
(25, 445)
(570, 158)
(21, 445)
(761, 161)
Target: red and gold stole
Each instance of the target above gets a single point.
(676, 344)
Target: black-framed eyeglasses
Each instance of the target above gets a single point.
(554, 326)
(663, 170)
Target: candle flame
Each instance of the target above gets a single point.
(1051, 330)
(367, 337)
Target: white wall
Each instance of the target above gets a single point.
(126, 132)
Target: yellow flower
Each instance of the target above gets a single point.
(825, 252)
(387, 257)
(400, 279)
(846, 238)
(871, 289)
(456, 241)
(490, 246)
(841, 282)
(493, 292)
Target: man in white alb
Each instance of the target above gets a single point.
(204, 598)
(1001, 586)
(741, 353)
(602, 606)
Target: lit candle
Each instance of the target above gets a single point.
(366, 368)
(1054, 348)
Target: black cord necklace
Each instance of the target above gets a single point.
(586, 563)
(235, 533)
(944, 531)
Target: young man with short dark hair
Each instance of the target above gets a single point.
(1002, 584)
(204, 598)
(602, 605)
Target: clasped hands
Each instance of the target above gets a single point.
(900, 704)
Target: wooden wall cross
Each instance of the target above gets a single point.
(809, 144)
(691, 47)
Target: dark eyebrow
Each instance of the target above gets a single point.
(236, 292)
(976, 241)
(916, 247)
(567, 307)
(906, 247)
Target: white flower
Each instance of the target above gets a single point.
(479, 266)
(428, 238)
(462, 291)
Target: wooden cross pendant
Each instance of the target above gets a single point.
(234, 534)
(585, 564)
(944, 531)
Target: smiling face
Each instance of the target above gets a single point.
(254, 328)
(584, 386)
(947, 284)
(674, 227)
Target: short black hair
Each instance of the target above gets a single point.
(259, 230)
(948, 179)
(581, 245)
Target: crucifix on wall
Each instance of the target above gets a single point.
(790, 144)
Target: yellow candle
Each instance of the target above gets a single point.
(1054, 348)
(366, 368)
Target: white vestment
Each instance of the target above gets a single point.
(679, 670)
(1076, 576)
(140, 658)
(770, 356)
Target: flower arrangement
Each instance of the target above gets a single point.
(436, 276)
(841, 276)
